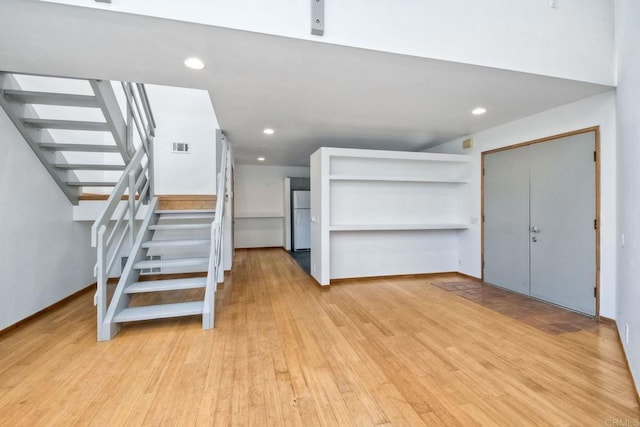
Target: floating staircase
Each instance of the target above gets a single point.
(166, 241)
(103, 123)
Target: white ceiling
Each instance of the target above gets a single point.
(312, 94)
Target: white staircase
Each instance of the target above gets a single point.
(106, 125)
(188, 242)
(111, 148)
(165, 241)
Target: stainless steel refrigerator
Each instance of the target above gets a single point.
(301, 220)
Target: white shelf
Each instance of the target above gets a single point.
(249, 215)
(386, 212)
(355, 153)
(397, 227)
(396, 179)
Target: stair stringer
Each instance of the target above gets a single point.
(33, 137)
(108, 103)
(129, 275)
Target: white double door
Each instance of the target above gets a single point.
(539, 221)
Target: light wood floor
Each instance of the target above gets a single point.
(285, 352)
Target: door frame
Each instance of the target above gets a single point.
(596, 130)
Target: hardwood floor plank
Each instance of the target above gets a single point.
(383, 351)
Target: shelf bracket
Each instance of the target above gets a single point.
(317, 17)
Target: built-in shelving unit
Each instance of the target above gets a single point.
(380, 213)
(391, 227)
(397, 179)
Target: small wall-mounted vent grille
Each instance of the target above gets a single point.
(154, 269)
(180, 147)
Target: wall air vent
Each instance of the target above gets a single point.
(180, 147)
(153, 269)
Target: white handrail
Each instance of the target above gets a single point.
(215, 257)
(135, 180)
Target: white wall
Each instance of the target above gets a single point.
(259, 204)
(44, 255)
(184, 115)
(598, 110)
(628, 110)
(574, 40)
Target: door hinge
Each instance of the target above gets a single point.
(595, 156)
(483, 218)
(595, 292)
(595, 224)
(482, 171)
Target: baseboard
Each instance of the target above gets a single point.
(394, 276)
(260, 248)
(467, 276)
(609, 321)
(52, 307)
(626, 359)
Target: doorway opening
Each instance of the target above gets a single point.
(298, 220)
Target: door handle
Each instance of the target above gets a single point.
(534, 229)
(534, 239)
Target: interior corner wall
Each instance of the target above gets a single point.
(259, 204)
(599, 110)
(628, 120)
(44, 255)
(183, 115)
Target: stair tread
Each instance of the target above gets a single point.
(176, 242)
(91, 184)
(184, 211)
(184, 215)
(87, 166)
(166, 285)
(208, 217)
(179, 262)
(160, 311)
(180, 227)
(50, 98)
(80, 147)
(66, 124)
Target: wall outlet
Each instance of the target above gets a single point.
(626, 333)
(313, 267)
(622, 240)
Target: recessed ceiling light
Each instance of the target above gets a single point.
(478, 111)
(194, 63)
(269, 131)
(261, 159)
